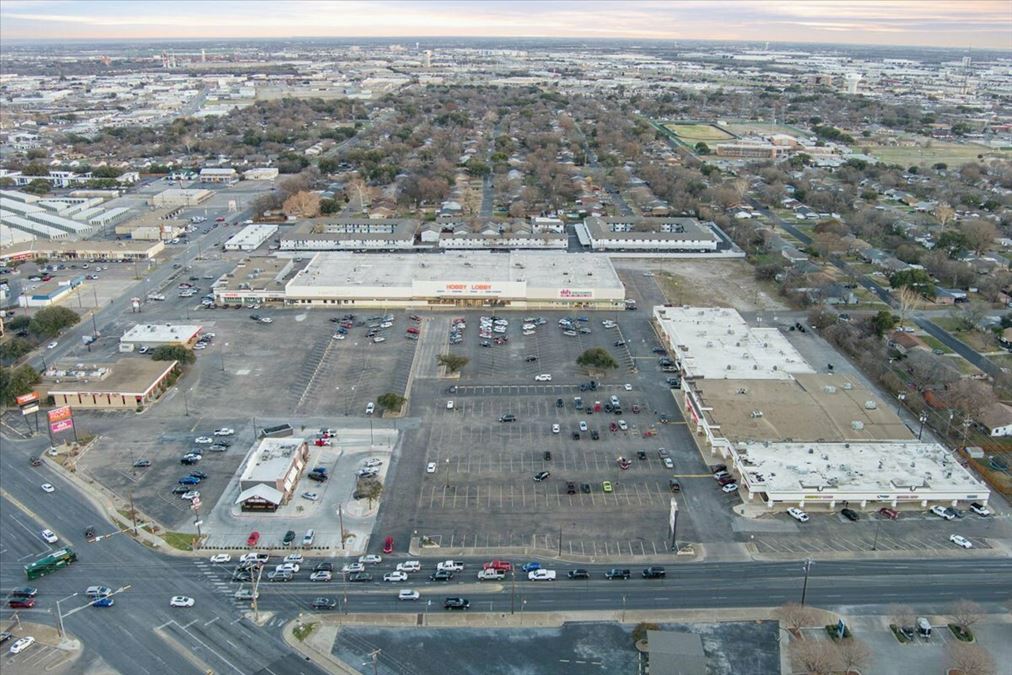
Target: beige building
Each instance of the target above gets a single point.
(83, 250)
(128, 383)
(272, 472)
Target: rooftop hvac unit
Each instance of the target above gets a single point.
(829, 389)
(848, 386)
(857, 425)
(756, 414)
(870, 405)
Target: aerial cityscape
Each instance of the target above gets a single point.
(408, 338)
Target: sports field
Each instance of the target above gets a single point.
(953, 154)
(694, 133)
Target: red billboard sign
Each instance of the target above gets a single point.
(59, 414)
(26, 399)
(62, 425)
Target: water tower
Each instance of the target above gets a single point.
(851, 80)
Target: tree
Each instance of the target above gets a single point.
(38, 186)
(908, 300)
(476, 167)
(452, 362)
(953, 242)
(50, 321)
(368, 488)
(884, 320)
(970, 659)
(702, 148)
(853, 655)
(15, 382)
(943, 213)
(596, 358)
(980, 234)
(641, 629)
(302, 205)
(329, 207)
(795, 616)
(391, 401)
(918, 280)
(966, 613)
(817, 657)
(13, 349)
(173, 353)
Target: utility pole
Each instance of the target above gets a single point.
(256, 594)
(513, 591)
(878, 525)
(375, 658)
(133, 514)
(344, 591)
(59, 614)
(804, 587)
(340, 518)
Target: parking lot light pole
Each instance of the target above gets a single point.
(874, 545)
(804, 587)
(923, 418)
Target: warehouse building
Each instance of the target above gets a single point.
(129, 383)
(177, 197)
(794, 437)
(83, 250)
(155, 335)
(632, 233)
(271, 473)
(472, 279)
(250, 237)
(226, 176)
(49, 292)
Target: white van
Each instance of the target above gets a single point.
(614, 401)
(307, 539)
(923, 627)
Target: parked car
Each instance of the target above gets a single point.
(253, 539)
(891, 514)
(797, 514)
(850, 514)
(942, 513)
(960, 541)
(980, 510)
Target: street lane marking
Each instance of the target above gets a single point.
(208, 623)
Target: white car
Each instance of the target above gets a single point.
(430, 467)
(449, 405)
(378, 339)
(960, 541)
(668, 464)
(254, 557)
(583, 425)
(181, 601)
(203, 440)
(980, 510)
(338, 336)
(450, 566)
(322, 575)
(395, 576)
(730, 487)
(370, 408)
(942, 513)
(543, 377)
(408, 594)
(555, 428)
(628, 387)
(288, 568)
(49, 537)
(46, 487)
(373, 461)
(266, 319)
(351, 568)
(294, 558)
(623, 426)
(221, 558)
(52, 345)
(22, 644)
(224, 431)
(409, 566)
(190, 496)
(311, 496)
(797, 514)
(367, 472)
(541, 575)
(370, 559)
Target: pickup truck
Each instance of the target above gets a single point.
(155, 296)
(491, 575)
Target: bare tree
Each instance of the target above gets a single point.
(902, 615)
(970, 659)
(979, 234)
(795, 616)
(303, 205)
(853, 655)
(965, 613)
(817, 657)
(908, 300)
(943, 213)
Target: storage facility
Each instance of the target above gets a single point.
(250, 237)
(471, 279)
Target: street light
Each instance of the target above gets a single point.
(804, 587)
(874, 544)
(923, 418)
(59, 613)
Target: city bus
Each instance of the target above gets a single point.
(52, 562)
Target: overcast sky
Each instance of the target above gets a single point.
(943, 23)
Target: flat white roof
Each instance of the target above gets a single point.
(880, 470)
(536, 269)
(161, 333)
(271, 460)
(251, 236)
(716, 343)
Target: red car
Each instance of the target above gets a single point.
(320, 442)
(613, 426)
(413, 330)
(22, 603)
(388, 545)
(891, 514)
(501, 565)
(220, 219)
(253, 538)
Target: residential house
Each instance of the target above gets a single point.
(995, 420)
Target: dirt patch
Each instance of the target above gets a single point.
(708, 283)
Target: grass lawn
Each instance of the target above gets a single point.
(934, 343)
(953, 154)
(948, 323)
(303, 631)
(1003, 360)
(693, 133)
(179, 540)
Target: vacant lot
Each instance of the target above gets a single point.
(693, 133)
(723, 283)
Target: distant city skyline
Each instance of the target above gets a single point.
(982, 24)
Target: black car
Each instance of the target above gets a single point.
(956, 513)
(654, 573)
(456, 603)
(5, 636)
(441, 575)
(607, 407)
(360, 576)
(324, 567)
(594, 435)
(617, 574)
(531, 359)
(576, 435)
(850, 514)
(324, 603)
(223, 443)
(141, 463)
(289, 538)
(570, 488)
(189, 460)
(180, 489)
(255, 317)
(620, 343)
(548, 455)
(37, 461)
(579, 574)
(559, 403)
(198, 474)
(661, 350)
(242, 575)
(585, 488)
(508, 417)
(89, 533)
(319, 477)
(640, 454)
